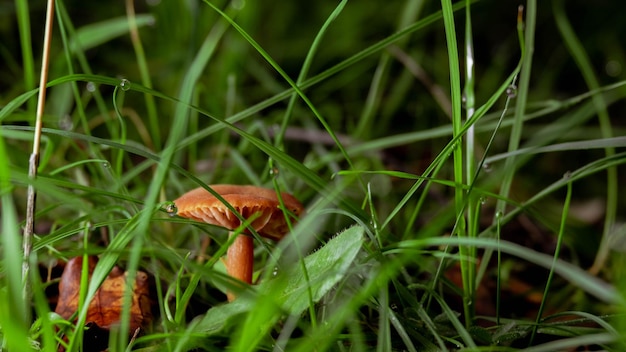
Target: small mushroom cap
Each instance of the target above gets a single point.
(200, 205)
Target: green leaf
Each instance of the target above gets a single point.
(217, 317)
(480, 334)
(325, 268)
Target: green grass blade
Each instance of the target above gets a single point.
(522, 94)
(23, 19)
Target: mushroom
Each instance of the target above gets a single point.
(200, 205)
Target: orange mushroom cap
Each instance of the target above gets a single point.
(200, 205)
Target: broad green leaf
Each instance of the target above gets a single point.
(325, 268)
(217, 317)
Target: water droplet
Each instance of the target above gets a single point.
(274, 172)
(511, 91)
(483, 200)
(567, 175)
(393, 306)
(275, 271)
(487, 167)
(170, 208)
(106, 165)
(91, 87)
(125, 84)
(499, 215)
(613, 68)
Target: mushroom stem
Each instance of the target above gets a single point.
(239, 258)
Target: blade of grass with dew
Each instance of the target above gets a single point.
(437, 163)
(473, 203)
(528, 38)
(118, 99)
(583, 62)
(467, 266)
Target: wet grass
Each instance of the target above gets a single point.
(472, 150)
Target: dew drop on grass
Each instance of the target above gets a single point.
(275, 271)
(499, 215)
(511, 91)
(567, 175)
(91, 87)
(170, 208)
(274, 172)
(106, 165)
(483, 200)
(125, 84)
(487, 167)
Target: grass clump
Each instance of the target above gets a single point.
(459, 163)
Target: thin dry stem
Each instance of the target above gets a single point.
(34, 158)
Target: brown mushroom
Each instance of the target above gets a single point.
(199, 204)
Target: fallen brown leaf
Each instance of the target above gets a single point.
(105, 309)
